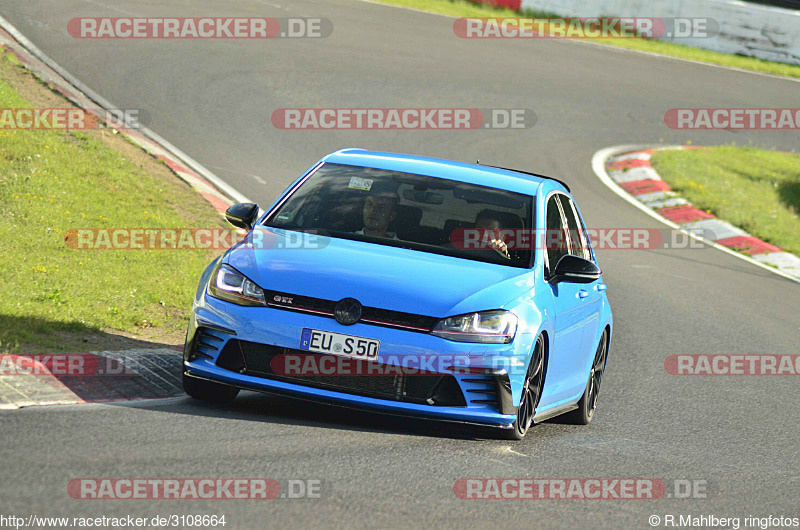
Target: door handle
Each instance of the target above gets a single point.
(583, 293)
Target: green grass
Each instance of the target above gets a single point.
(464, 8)
(52, 181)
(456, 8)
(754, 189)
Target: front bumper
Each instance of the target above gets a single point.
(220, 333)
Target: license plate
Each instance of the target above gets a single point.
(339, 344)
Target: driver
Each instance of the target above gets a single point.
(378, 212)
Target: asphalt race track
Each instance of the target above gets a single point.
(214, 99)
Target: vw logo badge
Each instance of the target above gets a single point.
(347, 311)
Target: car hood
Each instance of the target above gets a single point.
(379, 276)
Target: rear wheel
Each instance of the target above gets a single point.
(208, 390)
(588, 403)
(531, 392)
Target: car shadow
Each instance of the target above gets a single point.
(27, 335)
(295, 411)
(284, 410)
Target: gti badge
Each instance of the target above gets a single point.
(282, 299)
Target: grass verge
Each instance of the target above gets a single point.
(464, 8)
(754, 189)
(55, 298)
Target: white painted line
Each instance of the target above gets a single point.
(664, 203)
(783, 260)
(599, 167)
(633, 174)
(714, 229)
(629, 156)
(656, 196)
(643, 173)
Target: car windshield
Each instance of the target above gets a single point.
(411, 211)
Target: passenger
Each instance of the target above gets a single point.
(489, 221)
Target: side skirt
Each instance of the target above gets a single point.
(552, 413)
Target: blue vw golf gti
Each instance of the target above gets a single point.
(412, 286)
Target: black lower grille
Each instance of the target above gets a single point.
(204, 343)
(256, 360)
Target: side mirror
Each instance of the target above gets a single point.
(242, 215)
(573, 269)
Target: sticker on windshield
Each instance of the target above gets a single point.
(285, 216)
(357, 183)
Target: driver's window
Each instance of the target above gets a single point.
(555, 237)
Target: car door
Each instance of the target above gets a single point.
(570, 308)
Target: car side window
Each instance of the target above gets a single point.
(577, 243)
(555, 237)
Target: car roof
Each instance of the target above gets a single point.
(496, 177)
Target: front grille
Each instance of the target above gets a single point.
(254, 359)
(369, 315)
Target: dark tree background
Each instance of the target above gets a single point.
(788, 4)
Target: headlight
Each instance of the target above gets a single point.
(495, 327)
(232, 286)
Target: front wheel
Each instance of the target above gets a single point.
(588, 403)
(531, 393)
(208, 390)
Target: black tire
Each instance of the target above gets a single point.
(208, 390)
(588, 403)
(531, 393)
